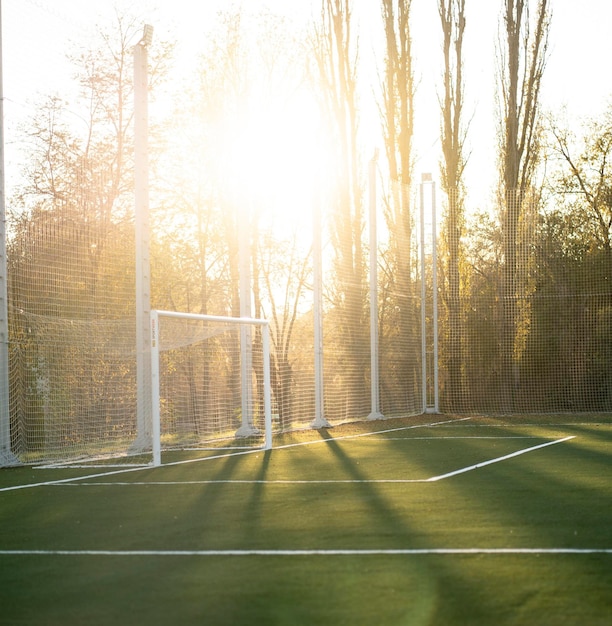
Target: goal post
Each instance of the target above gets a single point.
(198, 385)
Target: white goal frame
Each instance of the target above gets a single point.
(242, 322)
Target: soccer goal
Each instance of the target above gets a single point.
(210, 383)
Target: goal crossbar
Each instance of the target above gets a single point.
(156, 349)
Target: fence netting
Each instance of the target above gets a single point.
(507, 311)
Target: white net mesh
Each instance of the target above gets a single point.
(72, 392)
(72, 327)
(522, 300)
(211, 383)
(524, 330)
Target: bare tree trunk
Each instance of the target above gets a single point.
(522, 66)
(452, 17)
(398, 125)
(336, 57)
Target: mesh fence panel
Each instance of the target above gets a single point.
(72, 338)
(526, 328)
(524, 306)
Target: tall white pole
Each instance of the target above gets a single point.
(434, 269)
(142, 227)
(247, 428)
(6, 455)
(429, 359)
(423, 303)
(375, 413)
(317, 309)
(267, 382)
(155, 397)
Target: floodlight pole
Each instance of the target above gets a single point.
(375, 413)
(142, 232)
(6, 455)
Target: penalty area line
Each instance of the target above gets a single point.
(331, 552)
(72, 483)
(48, 483)
(463, 470)
(432, 479)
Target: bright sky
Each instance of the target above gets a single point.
(37, 33)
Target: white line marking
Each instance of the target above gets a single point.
(455, 437)
(508, 425)
(251, 482)
(122, 471)
(333, 552)
(463, 470)
(222, 456)
(498, 459)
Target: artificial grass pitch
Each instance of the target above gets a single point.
(235, 540)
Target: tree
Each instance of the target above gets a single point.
(522, 61)
(452, 18)
(224, 180)
(285, 272)
(336, 52)
(588, 175)
(199, 181)
(79, 177)
(575, 257)
(72, 251)
(399, 321)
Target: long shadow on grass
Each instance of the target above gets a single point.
(555, 496)
(600, 435)
(219, 509)
(253, 505)
(231, 511)
(529, 501)
(536, 492)
(386, 524)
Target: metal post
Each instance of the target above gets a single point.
(423, 304)
(375, 413)
(430, 359)
(434, 269)
(317, 267)
(155, 412)
(142, 228)
(247, 429)
(265, 337)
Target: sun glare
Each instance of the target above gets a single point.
(278, 157)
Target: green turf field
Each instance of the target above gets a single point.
(468, 521)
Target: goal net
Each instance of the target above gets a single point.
(208, 390)
(210, 383)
